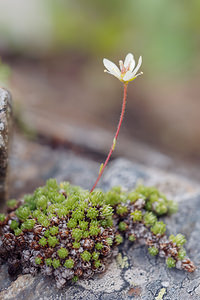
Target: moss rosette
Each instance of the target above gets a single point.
(64, 227)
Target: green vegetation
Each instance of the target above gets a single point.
(149, 219)
(77, 234)
(78, 231)
(63, 252)
(23, 212)
(98, 246)
(92, 213)
(86, 255)
(122, 226)
(11, 203)
(121, 210)
(181, 254)
(118, 239)
(48, 262)
(54, 230)
(55, 263)
(97, 264)
(153, 251)
(52, 241)
(179, 239)
(38, 260)
(95, 255)
(137, 215)
(28, 224)
(69, 263)
(109, 241)
(171, 262)
(43, 241)
(131, 238)
(14, 224)
(17, 231)
(158, 228)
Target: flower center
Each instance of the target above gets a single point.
(124, 69)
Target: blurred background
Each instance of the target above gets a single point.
(51, 60)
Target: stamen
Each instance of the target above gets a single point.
(128, 68)
(123, 71)
(139, 74)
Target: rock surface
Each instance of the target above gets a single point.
(31, 164)
(133, 274)
(5, 127)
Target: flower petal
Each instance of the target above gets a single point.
(121, 65)
(128, 75)
(129, 62)
(138, 66)
(113, 74)
(134, 76)
(111, 67)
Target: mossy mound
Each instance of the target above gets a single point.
(65, 231)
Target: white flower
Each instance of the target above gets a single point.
(126, 72)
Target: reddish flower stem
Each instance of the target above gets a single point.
(115, 138)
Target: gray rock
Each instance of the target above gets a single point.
(38, 162)
(5, 128)
(133, 274)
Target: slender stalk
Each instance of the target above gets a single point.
(115, 138)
